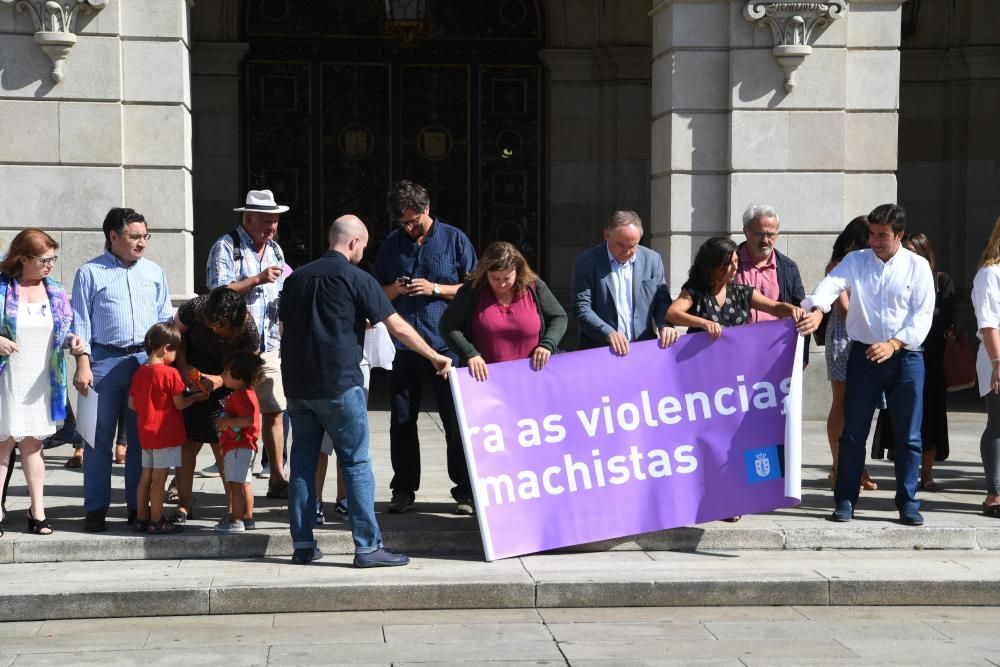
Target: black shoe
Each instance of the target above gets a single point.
(844, 512)
(911, 518)
(94, 522)
(278, 491)
(132, 515)
(401, 502)
(306, 556)
(380, 558)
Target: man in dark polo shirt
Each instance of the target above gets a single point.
(324, 306)
(420, 266)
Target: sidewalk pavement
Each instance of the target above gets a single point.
(787, 557)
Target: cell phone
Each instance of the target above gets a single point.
(404, 280)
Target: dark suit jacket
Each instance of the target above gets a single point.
(594, 306)
(790, 288)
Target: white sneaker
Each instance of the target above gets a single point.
(210, 471)
(229, 526)
(265, 472)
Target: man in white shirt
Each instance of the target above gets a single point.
(892, 304)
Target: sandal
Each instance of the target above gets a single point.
(164, 527)
(38, 527)
(172, 496)
(992, 510)
(930, 485)
(75, 461)
(867, 483)
(180, 517)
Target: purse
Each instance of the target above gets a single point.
(959, 361)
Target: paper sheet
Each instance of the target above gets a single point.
(86, 416)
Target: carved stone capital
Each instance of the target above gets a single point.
(792, 25)
(55, 25)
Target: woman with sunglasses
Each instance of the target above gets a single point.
(35, 319)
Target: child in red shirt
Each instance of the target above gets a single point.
(157, 396)
(239, 429)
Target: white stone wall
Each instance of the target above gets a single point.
(726, 134)
(115, 132)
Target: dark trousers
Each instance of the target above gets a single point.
(405, 384)
(902, 380)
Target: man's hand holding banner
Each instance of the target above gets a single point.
(597, 446)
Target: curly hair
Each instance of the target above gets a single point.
(502, 256)
(407, 195)
(225, 307)
(30, 242)
(246, 367)
(714, 253)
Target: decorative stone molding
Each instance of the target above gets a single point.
(55, 22)
(792, 24)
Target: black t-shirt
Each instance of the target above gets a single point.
(323, 308)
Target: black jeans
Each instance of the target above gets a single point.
(405, 384)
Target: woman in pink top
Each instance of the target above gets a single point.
(503, 312)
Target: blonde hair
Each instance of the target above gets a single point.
(502, 256)
(991, 253)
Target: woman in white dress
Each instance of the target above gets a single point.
(35, 317)
(986, 301)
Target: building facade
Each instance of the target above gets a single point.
(528, 120)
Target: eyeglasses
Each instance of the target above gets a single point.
(137, 237)
(770, 236)
(407, 222)
(46, 261)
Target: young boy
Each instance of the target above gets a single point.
(157, 396)
(238, 433)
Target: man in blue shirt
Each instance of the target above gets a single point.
(117, 297)
(420, 266)
(325, 305)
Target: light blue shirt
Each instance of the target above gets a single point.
(115, 304)
(262, 300)
(621, 277)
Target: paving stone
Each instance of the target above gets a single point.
(238, 636)
(20, 628)
(151, 658)
(682, 593)
(947, 651)
(699, 650)
(434, 634)
(844, 628)
(157, 624)
(95, 603)
(638, 630)
(415, 652)
(667, 614)
(941, 591)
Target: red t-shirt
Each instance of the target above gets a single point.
(152, 390)
(505, 333)
(241, 403)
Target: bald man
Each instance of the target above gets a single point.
(324, 306)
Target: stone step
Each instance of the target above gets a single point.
(98, 589)
(430, 534)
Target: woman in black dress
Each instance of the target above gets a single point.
(214, 327)
(711, 301)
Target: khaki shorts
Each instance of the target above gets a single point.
(165, 457)
(271, 393)
(237, 465)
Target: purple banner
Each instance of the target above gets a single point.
(596, 446)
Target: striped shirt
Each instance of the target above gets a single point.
(621, 277)
(115, 304)
(262, 300)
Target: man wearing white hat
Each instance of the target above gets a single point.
(250, 261)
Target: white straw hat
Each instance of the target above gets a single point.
(261, 201)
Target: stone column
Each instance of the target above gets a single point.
(215, 80)
(730, 127)
(598, 151)
(114, 131)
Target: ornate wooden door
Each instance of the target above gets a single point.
(334, 115)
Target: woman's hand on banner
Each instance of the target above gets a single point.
(477, 368)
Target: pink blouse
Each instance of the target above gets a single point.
(505, 333)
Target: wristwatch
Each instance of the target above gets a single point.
(437, 290)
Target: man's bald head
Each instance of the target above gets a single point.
(349, 237)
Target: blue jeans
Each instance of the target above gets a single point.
(112, 376)
(902, 380)
(345, 418)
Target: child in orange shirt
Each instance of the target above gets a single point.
(239, 429)
(157, 396)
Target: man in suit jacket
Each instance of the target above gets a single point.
(619, 290)
(761, 266)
